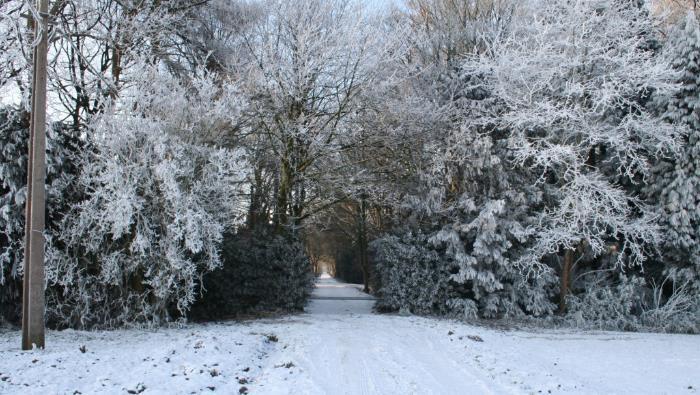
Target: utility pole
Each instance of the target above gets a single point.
(33, 282)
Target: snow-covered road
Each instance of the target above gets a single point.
(343, 349)
(340, 347)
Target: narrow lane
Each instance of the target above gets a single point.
(331, 296)
(343, 348)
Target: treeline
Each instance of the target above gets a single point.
(563, 182)
(492, 158)
(156, 209)
(544, 168)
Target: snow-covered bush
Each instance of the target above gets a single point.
(158, 203)
(260, 271)
(62, 146)
(613, 301)
(421, 275)
(605, 304)
(411, 274)
(672, 310)
(541, 174)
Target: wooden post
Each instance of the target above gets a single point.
(33, 285)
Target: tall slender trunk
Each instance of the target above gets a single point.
(286, 180)
(362, 244)
(256, 198)
(116, 70)
(565, 279)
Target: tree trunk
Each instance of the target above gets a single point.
(362, 243)
(255, 198)
(283, 195)
(565, 279)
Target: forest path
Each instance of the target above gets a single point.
(341, 347)
(332, 296)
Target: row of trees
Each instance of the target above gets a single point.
(490, 158)
(549, 187)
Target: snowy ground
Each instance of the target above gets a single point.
(339, 347)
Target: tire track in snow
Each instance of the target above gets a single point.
(342, 348)
(429, 354)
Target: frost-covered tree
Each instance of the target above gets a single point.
(14, 133)
(674, 11)
(309, 63)
(478, 208)
(444, 31)
(567, 81)
(94, 44)
(158, 203)
(486, 208)
(63, 144)
(462, 192)
(676, 183)
(15, 66)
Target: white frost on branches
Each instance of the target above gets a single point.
(571, 80)
(158, 204)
